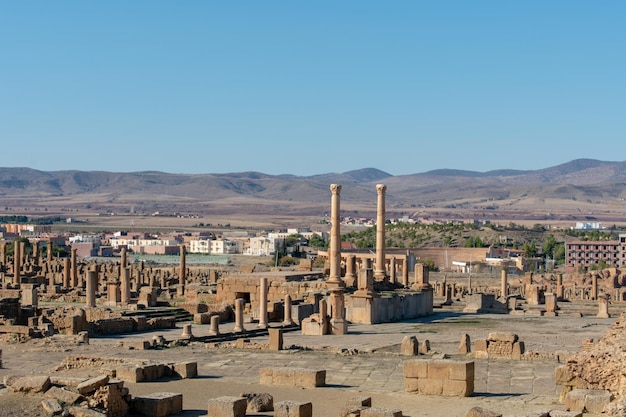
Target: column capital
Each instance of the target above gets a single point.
(335, 188)
(381, 188)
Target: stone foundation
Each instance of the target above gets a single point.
(158, 404)
(227, 407)
(499, 346)
(439, 377)
(296, 377)
(389, 307)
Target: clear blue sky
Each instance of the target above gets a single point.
(311, 87)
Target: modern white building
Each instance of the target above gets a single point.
(213, 246)
(136, 243)
(262, 246)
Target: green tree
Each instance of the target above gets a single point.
(430, 264)
(559, 253)
(474, 242)
(530, 250)
(292, 239)
(317, 242)
(10, 250)
(548, 246)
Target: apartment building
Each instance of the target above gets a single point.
(261, 246)
(147, 246)
(581, 254)
(213, 246)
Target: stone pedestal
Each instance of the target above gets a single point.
(350, 277)
(29, 295)
(338, 323)
(421, 282)
(113, 293)
(551, 305)
(276, 339)
(215, 325)
(187, 334)
(603, 307)
(365, 283)
(316, 324)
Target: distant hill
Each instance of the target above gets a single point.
(583, 188)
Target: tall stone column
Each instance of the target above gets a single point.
(3, 252)
(67, 273)
(183, 266)
(123, 259)
(125, 278)
(504, 284)
(239, 316)
(22, 253)
(334, 250)
(17, 263)
(36, 252)
(74, 271)
(392, 270)
(594, 287)
(323, 317)
(380, 273)
(559, 287)
(49, 250)
(287, 319)
(405, 272)
(92, 286)
(262, 303)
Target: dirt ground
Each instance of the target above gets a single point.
(365, 362)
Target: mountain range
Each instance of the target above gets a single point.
(579, 189)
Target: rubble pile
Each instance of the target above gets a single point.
(600, 366)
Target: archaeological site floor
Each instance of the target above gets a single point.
(365, 362)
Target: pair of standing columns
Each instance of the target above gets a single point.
(334, 251)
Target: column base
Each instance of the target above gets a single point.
(338, 326)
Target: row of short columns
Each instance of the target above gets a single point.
(353, 264)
